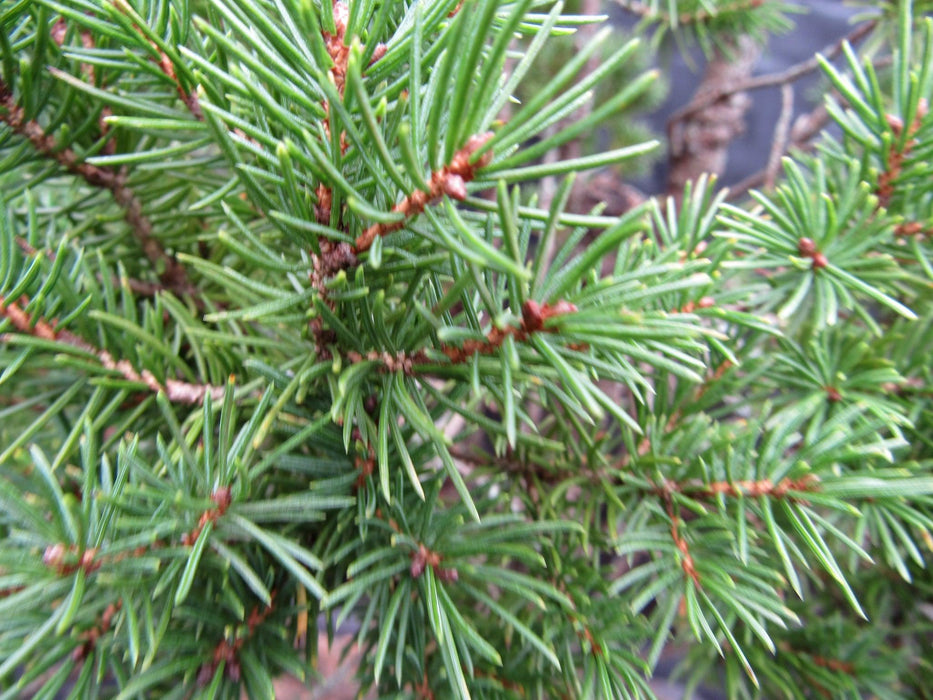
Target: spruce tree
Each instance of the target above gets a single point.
(291, 343)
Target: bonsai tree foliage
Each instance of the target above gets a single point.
(290, 344)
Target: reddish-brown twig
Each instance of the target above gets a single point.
(450, 180)
(176, 391)
(227, 651)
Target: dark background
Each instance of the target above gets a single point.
(824, 22)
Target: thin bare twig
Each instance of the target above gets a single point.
(781, 130)
(702, 101)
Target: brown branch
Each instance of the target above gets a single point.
(450, 180)
(832, 664)
(12, 590)
(173, 274)
(749, 488)
(781, 131)
(365, 465)
(586, 635)
(735, 489)
(176, 391)
(399, 362)
(190, 99)
(67, 560)
(28, 249)
(336, 256)
(167, 66)
(691, 306)
(912, 228)
(324, 200)
(337, 47)
(534, 316)
(700, 139)
(333, 256)
(704, 100)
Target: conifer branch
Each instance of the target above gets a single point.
(686, 558)
(10, 590)
(339, 52)
(896, 156)
(59, 29)
(450, 180)
(227, 651)
(513, 497)
(423, 557)
(745, 488)
(222, 500)
(167, 66)
(534, 316)
(65, 561)
(173, 275)
(89, 637)
(176, 391)
(699, 16)
(138, 287)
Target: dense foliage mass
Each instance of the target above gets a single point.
(290, 344)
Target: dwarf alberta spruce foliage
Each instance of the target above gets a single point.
(289, 347)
